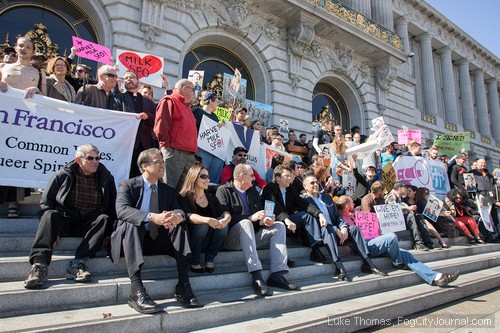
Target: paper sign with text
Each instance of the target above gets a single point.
(390, 217)
(89, 50)
(212, 138)
(452, 143)
(147, 67)
(409, 135)
(368, 223)
(223, 114)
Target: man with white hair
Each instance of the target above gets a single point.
(99, 95)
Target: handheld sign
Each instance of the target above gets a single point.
(470, 182)
(368, 224)
(147, 67)
(433, 208)
(88, 50)
(390, 217)
(409, 135)
(212, 138)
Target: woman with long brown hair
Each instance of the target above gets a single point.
(208, 222)
(339, 161)
(421, 198)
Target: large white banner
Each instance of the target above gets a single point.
(39, 135)
(249, 139)
(422, 172)
(212, 138)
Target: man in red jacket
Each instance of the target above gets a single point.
(175, 127)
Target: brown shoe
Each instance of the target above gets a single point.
(446, 279)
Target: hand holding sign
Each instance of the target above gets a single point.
(92, 51)
(147, 67)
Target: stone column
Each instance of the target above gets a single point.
(494, 107)
(401, 25)
(382, 13)
(483, 119)
(449, 93)
(468, 118)
(429, 81)
(362, 6)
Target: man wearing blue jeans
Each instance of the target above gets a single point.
(388, 245)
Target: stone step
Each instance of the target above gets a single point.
(383, 308)
(29, 207)
(61, 293)
(236, 309)
(15, 266)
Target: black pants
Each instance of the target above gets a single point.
(416, 225)
(54, 223)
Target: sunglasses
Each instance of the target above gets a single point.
(204, 176)
(80, 71)
(91, 158)
(113, 76)
(158, 162)
(242, 155)
(314, 182)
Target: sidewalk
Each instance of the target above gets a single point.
(478, 313)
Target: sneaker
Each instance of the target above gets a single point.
(78, 272)
(37, 277)
(420, 246)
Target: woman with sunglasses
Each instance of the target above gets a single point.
(208, 222)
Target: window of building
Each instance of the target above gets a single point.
(327, 99)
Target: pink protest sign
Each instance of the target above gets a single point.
(92, 51)
(409, 135)
(368, 223)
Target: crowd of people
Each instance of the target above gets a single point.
(185, 202)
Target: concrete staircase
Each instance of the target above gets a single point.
(323, 304)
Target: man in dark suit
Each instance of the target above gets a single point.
(336, 230)
(250, 229)
(133, 102)
(151, 222)
(295, 211)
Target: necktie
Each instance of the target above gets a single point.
(153, 208)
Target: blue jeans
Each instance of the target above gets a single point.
(310, 225)
(202, 236)
(388, 245)
(213, 164)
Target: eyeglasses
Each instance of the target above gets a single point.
(112, 76)
(129, 77)
(159, 162)
(242, 155)
(80, 71)
(204, 176)
(192, 88)
(91, 158)
(314, 182)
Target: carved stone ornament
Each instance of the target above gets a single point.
(385, 75)
(150, 34)
(152, 20)
(300, 37)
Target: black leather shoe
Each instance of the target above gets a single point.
(290, 263)
(401, 267)
(317, 256)
(446, 279)
(260, 288)
(142, 303)
(196, 270)
(282, 283)
(372, 270)
(184, 294)
(344, 276)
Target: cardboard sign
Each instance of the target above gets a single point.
(409, 135)
(348, 182)
(89, 50)
(470, 182)
(388, 176)
(147, 67)
(390, 217)
(197, 78)
(223, 114)
(432, 208)
(452, 143)
(368, 224)
(212, 138)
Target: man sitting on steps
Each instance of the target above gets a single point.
(79, 200)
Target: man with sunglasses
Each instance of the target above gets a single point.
(240, 155)
(78, 201)
(99, 95)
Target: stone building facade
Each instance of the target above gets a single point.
(364, 58)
